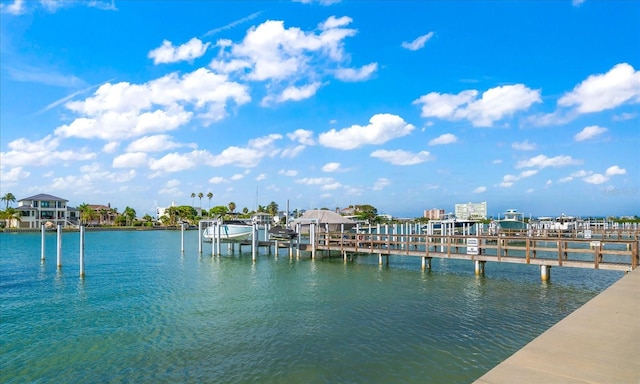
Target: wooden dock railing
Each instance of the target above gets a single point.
(609, 251)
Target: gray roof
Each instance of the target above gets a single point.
(324, 216)
(43, 197)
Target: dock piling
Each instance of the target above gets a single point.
(479, 267)
(59, 253)
(82, 251)
(42, 242)
(545, 272)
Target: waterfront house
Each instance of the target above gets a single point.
(103, 214)
(43, 209)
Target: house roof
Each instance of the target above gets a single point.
(43, 197)
(325, 217)
(96, 207)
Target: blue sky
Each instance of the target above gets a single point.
(407, 105)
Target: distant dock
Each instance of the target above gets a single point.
(608, 250)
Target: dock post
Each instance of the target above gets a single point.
(312, 239)
(426, 263)
(480, 267)
(200, 237)
(59, 253)
(82, 251)
(42, 242)
(182, 237)
(545, 272)
(213, 243)
(218, 238)
(298, 240)
(254, 242)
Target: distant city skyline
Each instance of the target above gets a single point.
(406, 106)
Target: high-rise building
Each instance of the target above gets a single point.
(434, 214)
(471, 211)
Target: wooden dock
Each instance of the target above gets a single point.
(606, 250)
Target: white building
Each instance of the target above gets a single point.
(43, 209)
(471, 211)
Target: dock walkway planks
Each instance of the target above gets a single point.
(598, 343)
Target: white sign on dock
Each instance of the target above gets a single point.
(587, 233)
(472, 246)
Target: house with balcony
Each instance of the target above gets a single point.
(43, 209)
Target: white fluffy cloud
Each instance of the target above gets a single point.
(494, 104)
(155, 143)
(356, 74)
(621, 84)
(447, 138)
(123, 110)
(130, 160)
(331, 167)
(589, 133)
(381, 128)
(418, 42)
(303, 136)
(598, 178)
(509, 180)
(188, 51)
(291, 60)
(542, 161)
(401, 157)
(45, 152)
(292, 93)
(480, 189)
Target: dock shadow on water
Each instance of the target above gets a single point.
(146, 312)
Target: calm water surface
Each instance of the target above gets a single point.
(148, 313)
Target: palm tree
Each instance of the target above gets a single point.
(210, 196)
(193, 197)
(8, 198)
(86, 213)
(272, 208)
(10, 216)
(232, 207)
(200, 196)
(130, 215)
(147, 219)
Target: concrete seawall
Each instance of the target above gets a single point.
(598, 343)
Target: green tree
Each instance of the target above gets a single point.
(366, 212)
(232, 206)
(86, 213)
(193, 199)
(219, 211)
(130, 215)
(210, 196)
(272, 208)
(8, 198)
(147, 220)
(10, 216)
(200, 196)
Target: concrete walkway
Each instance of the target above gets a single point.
(598, 343)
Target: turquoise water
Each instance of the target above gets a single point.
(145, 312)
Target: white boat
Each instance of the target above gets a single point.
(513, 221)
(235, 230)
(564, 223)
